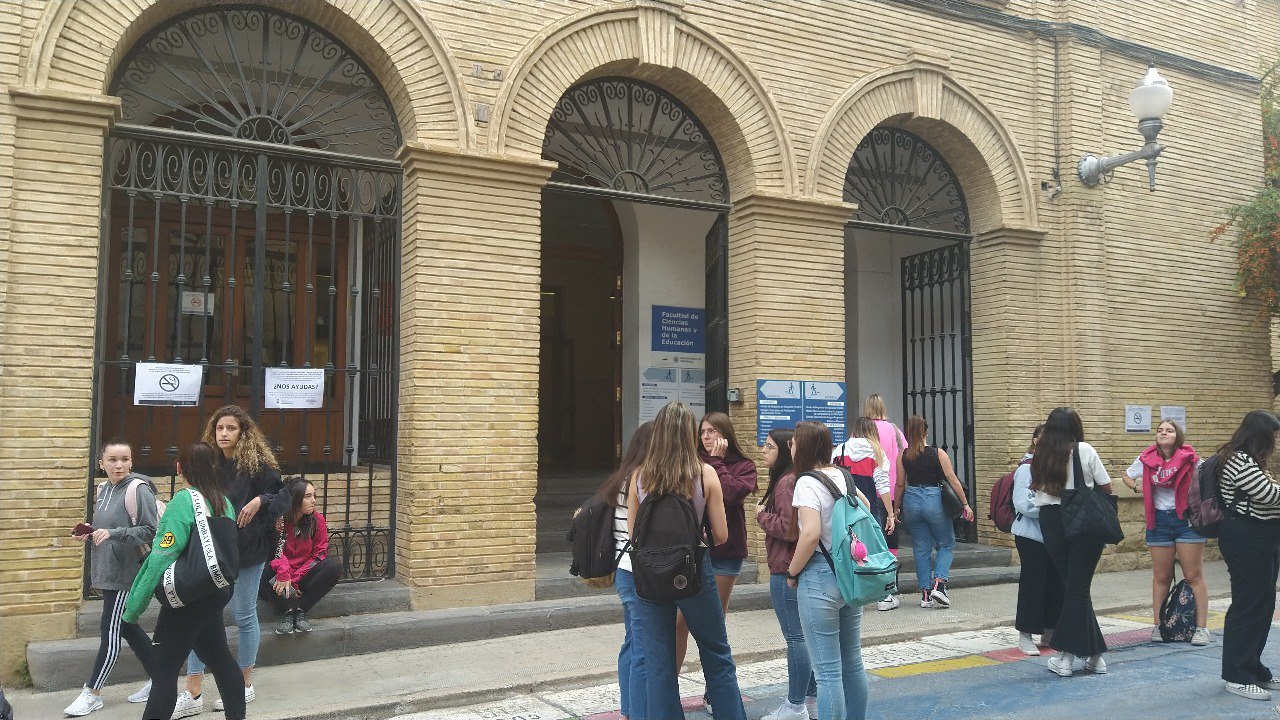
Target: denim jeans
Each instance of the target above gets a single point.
(833, 633)
(632, 678)
(244, 611)
(705, 618)
(800, 680)
(930, 528)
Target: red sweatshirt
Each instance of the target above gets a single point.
(776, 523)
(301, 554)
(738, 480)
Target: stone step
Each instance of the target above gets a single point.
(64, 664)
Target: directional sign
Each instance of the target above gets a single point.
(167, 384)
(825, 403)
(783, 403)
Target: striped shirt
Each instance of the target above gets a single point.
(1248, 489)
(620, 536)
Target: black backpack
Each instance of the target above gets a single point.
(1178, 613)
(667, 549)
(595, 553)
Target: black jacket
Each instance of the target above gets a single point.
(258, 538)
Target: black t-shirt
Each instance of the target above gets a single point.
(925, 470)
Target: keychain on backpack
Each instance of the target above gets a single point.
(857, 550)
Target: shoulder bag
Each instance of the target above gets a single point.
(210, 561)
(1088, 514)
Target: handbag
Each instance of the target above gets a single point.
(951, 504)
(1088, 514)
(210, 561)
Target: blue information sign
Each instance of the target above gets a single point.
(677, 329)
(783, 403)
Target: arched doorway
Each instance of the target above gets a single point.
(639, 179)
(908, 319)
(252, 232)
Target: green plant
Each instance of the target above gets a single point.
(1254, 226)
(22, 676)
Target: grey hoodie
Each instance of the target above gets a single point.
(114, 563)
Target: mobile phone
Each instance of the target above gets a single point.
(82, 529)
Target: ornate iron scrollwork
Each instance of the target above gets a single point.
(896, 178)
(626, 135)
(257, 74)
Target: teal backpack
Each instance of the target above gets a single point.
(865, 569)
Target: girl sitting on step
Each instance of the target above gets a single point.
(303, 571)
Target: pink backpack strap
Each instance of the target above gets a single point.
(131, 499)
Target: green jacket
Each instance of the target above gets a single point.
(171, 539)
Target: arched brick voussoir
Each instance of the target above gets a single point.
(914, 94)
(79, 45)
(655, 45)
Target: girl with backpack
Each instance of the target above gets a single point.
(1249, 538)
(198, 624)
(1064, 461)
(1039, 584)
(632, 672)
(776, 516)
(117, 542)
(919, 503)
(864, 457)
(671, 472)
(248, 471)
(718, 447)
(1165, 470)
(832, 626)
(302, 572)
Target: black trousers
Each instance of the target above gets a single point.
(1077, 630)
(197, 626)
(1249, 547)
(315, 584)
(111, 630)
(1040, 588)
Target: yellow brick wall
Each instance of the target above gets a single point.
(1096, 298)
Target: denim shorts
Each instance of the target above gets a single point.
(1171, 529)
(726, 567)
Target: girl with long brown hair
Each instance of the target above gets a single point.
(197, 626)
(671, 467)
(632, 670)
(302, 572)
(248, 470)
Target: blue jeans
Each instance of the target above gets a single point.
(244, 610)
(833, 633)
(930, 528)
(632, 678)
(800, 680)
(705, 618)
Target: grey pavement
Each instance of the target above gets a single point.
(377, 686)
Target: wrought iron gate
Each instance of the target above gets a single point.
(937, 355)
(237, 238)
(717, 316)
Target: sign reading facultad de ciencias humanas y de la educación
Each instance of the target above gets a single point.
(677, 361)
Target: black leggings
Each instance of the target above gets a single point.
(197, 626)
(1077, 631)
(315, 584)
(1039, 588)
(112, 629)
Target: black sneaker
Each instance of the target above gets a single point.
(939, 593)
(300, 622)
(285, 626)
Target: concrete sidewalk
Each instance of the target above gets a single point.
(381, 685)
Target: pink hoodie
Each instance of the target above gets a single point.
(1174, 472)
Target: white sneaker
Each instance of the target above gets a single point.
(1251, 691)
(1061, 664)
(1027, 645)
(85, 703)
(891, 602)
(143, 694)
(939, 593)
(1096, 665)
(249, 695)
(812, 704)
(187, 705)
(925, 601)
(1155, 635)
(1201, 637)
(787, 711)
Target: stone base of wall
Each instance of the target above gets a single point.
(472, 594)
(16, 631)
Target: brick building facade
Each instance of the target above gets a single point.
(1095, 298)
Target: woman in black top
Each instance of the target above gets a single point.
(923, 470)
(1250, 540)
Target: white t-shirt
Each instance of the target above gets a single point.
(620, 536)
(813, 494)
(1163, 497)
(1094, 474)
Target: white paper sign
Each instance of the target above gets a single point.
(294, 389)
(658, 386)
(1137, 418)
(1176, 413)
(167, 384)
(197, 303)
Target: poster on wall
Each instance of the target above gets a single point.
(693, 390)
(294, 388)
(677, 359)
(658, 386)
(167, 384)
(1176, 413)
(678, 330)
(1137, 418)
(783, 403)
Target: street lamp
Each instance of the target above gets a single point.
(1149, 102)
